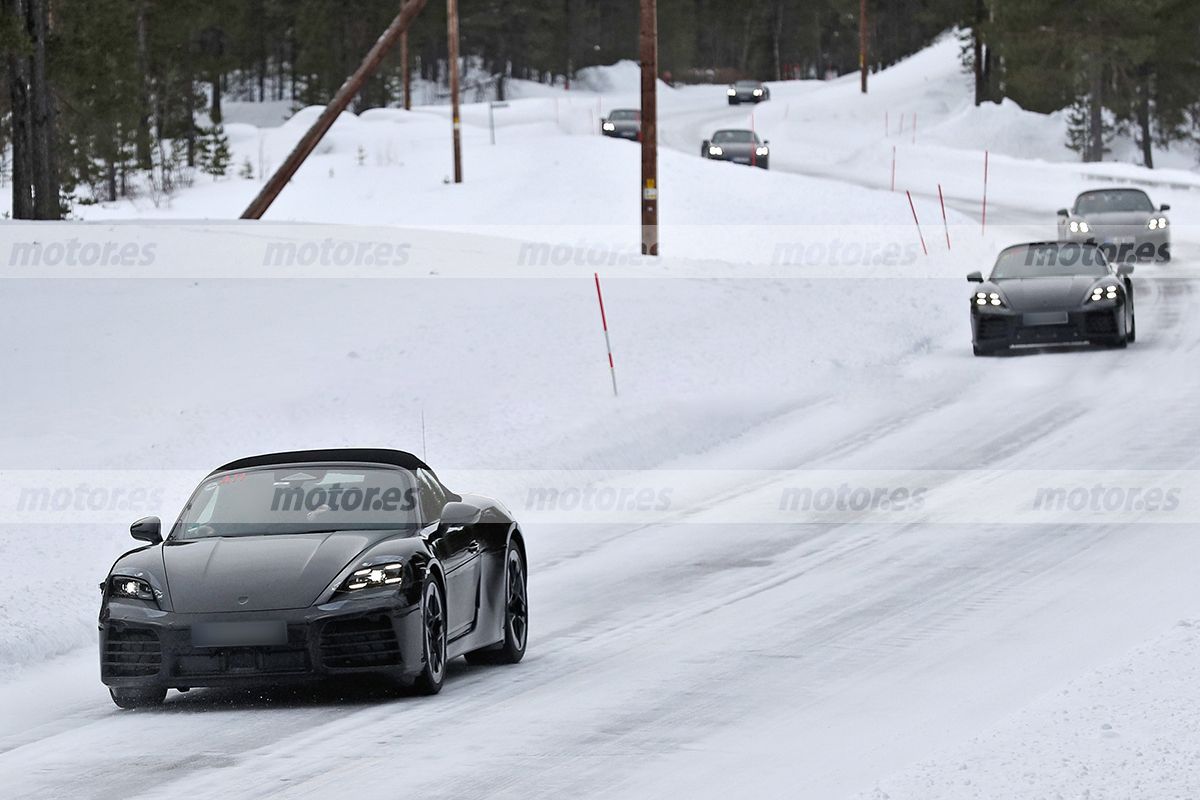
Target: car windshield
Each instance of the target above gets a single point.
(748, 84)
(734, 137)
(625, 116)
(1050, 260)
(1113, 200)
(299, 499)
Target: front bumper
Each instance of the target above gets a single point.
(1002, 328)
(623, 133)
(747, 97)
(745, 160)
(141, 646)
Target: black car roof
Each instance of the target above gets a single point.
(366, 455)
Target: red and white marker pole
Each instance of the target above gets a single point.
(608, 344)
(917, 221)
(985, 177)
(945, 224)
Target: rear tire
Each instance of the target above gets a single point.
(516, 615)
(433, 628)
(126, 697)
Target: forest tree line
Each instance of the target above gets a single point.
(96, 93)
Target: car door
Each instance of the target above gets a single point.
(458, 549)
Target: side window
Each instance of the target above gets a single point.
(433, 498)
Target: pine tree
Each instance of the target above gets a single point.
(214, 155)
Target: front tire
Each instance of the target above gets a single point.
(516, 615)
(433, 628)
(126, 697)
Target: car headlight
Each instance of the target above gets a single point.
(130, 588)
(758, 92)
(761, 151)
(374, 576)
(608, 126)
(1079, 226)
(1157, 223)
(714, 150)
(732, 92)
(988, 299)
(1109, 292)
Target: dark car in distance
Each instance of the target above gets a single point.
(622, 123)
(747, 92)
(738, 146)
(314, 564)
(1124, 222)
(1046, 293)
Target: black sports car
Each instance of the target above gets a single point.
(1052, 293)
(622, 123)
(748, 92)
(310, 564)
(1124, 222)
(738, 146)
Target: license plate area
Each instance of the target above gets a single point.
(1045, 318)
(259, 633)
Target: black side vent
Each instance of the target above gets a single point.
(131, 653)
(359, 643)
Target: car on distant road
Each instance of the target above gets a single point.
(1122, 221)
(747, 92)
(313, 564)
(622, 123)
(1046, 293)
(738, 146)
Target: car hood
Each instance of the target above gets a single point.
(1118, 218)
(259, 573)
(737, 148)
(626, 124)
(1050, 293)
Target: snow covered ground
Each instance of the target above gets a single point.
(688, 653)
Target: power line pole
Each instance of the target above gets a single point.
(648, 45)
(406, 76)
(452, 25)
(337, 105)
(862, 42)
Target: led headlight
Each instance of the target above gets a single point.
(1157, 223)
(732, 92)
(988, 299)
(714, 150)
(608, 126)
(761, 151)
(1079, 226)
(758, 92)
(132, 588)
(1109, 292)
(371, 577)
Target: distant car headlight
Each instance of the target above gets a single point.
(715, 150)
(758, 92)
(130, 588)
(732, 92)
(1109, 292)
(988, 299)
(1079, 226)
(1157, 223)
(761, 151)
(608, 126)
(375, 576)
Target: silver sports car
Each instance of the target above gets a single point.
(1123, 222)
(623, 123)
(748, 92)
(738, 146)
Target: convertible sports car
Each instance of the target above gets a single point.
(748, 92)
(623, 123)
(739, 146)
(1052, 293)
(1122, 221)
(313, 564)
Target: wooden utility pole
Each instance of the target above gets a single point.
(648, 41)
(337, 105)
(452, 32)
(862, 42)
(406, 76)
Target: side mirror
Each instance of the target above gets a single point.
(1165, 207)
(1125, 269)
(457, 513)
(147, 529)
(975, 277)
(766, 141)
(1062, 212)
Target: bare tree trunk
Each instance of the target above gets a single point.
(22, 124)
(142, 142)
(776, 34)
(1143, 118)
(214, 111)
(1095, 147)
(43, 136)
